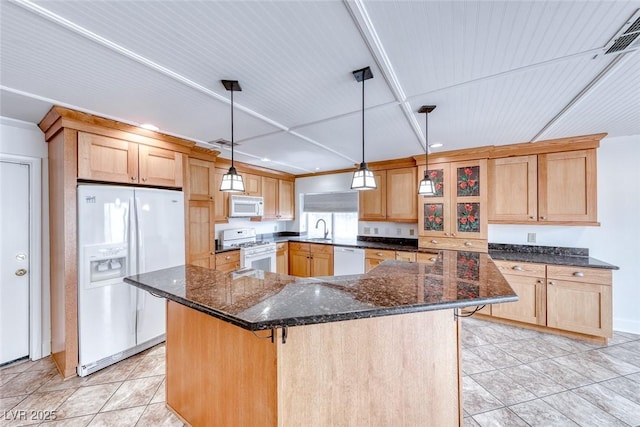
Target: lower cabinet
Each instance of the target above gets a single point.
(374, 257)
(579, 300)
(527, 280)
(228, 261)
(282, 258)
(564, 298)
(310, 260)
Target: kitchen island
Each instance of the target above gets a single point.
(252, 348)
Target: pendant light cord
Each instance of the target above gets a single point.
(363, 79)
(426, 142)
(232, 143)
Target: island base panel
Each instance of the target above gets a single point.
(384, 371)
(400, 370)
(218, 374)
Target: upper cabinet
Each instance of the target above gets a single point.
(394, 198)
(554, 187)
(278, 199)
(202, 180)
(102, 158)
(455, 216)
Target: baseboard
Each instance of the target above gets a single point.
(626, 325)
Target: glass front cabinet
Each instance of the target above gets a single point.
(455, 217)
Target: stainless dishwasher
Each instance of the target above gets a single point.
(347, 261)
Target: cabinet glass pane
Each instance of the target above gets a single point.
(468, 217)
(468, 181)
(433, 220)
(437, 177)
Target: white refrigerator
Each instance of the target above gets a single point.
(123, 231)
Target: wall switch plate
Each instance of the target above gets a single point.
(531, 237)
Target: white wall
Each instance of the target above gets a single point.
(616, 240)
(26, 140)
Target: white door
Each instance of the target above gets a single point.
(14, 261)
(160, 218)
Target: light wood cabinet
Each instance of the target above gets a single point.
(550, 188)
(310, 260)
(282, 258)
(528, 282)
(221, 197)
(405, 256)
(372, 204)
(252, 184)
(455, 217)
(278, 199)
(200, 193)
(228, 261)
(567, 187)
(402, 205)
(513, 189)
(102, 158)
(571, 300)
(375, 257)
(579, 300)
(394, 198)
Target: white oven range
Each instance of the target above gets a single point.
(255, 254)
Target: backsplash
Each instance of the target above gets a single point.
(388, 229)
(534, 249)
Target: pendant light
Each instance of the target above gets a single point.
(426, 185)
(231, 181)
(363, 178)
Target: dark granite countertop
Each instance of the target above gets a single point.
(257, 300)
(575, 257)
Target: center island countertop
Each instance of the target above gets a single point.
(258, 300)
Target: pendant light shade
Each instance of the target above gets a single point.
(363, 178)
(231, 181)
(425, 187)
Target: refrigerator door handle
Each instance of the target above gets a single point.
(140, 238)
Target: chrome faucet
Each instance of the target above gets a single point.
(326, 232)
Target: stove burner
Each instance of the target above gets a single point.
(248, 244)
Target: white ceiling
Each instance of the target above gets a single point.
(499, 72)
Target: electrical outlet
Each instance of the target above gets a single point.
(399, 231)
(375, 230)
(412, 232)
(531, 237)
(275, 228)
(367, 230)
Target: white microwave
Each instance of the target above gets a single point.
(245, 206)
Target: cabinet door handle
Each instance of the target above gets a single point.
(552, 283)
(133, 178)
(531, 217)
(468, 244)
(539, 281)
(516, 268)
(578, 274)
(435, 242)
(453, 234)
(144, 179)
(543, 217)
(446, 234)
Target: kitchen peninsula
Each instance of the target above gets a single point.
(249, 347)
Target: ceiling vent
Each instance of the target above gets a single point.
(221, 142)
(628, 38)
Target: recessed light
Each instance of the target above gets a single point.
(317, 169)
(436, 145)
(265, 159)
(149, 126)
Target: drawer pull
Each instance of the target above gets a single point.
(532, 217)
(468, 244)
(539, 281)
(379, 253)
(543, 217)
(432, 259)
(453, 234)
(227, 257)
(446, 234)
(435, 242)
(578, 274)
(516, 268)
(552, 282)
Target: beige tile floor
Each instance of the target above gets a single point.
(512, 377)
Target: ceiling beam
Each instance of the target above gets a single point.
(361, 18)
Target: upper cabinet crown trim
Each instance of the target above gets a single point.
(60, 117)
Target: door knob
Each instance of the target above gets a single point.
(21, 272)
